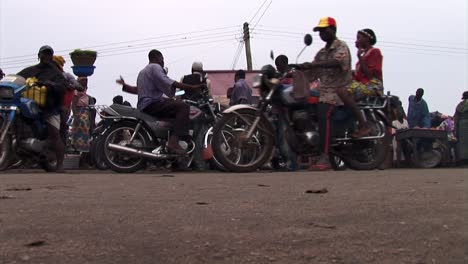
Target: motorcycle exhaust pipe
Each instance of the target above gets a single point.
(140, 153)
(361, 138)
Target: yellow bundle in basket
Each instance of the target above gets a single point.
(35, 92)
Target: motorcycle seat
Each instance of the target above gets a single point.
(127, 111)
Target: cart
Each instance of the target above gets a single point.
(424, 148)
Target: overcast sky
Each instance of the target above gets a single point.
(424, 43)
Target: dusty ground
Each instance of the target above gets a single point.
(392, 216)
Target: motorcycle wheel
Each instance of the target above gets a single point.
(49, 164)
(242, 155)
(98, 160)
(369, 154)
(337, 162)
(120, 134)
(214, 163)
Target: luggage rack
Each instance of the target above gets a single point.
(436, 142)
(105, 111)
(373, 102)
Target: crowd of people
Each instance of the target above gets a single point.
(330, 73)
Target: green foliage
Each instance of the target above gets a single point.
(80, 52)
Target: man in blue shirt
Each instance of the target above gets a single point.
(418, 112)
(241, 92)
(152, 84)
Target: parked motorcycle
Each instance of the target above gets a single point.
(211, 112)
(134, 138)
(244, 138)
(23, 133)
(95, 144)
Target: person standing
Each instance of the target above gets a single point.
(461, 128)
(418, 112)
(284, 151)
(2, 74)
(80, 126)
(448, 125)
(400, 123)
(48, 73)
(241, 92)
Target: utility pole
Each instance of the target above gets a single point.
(248, 53)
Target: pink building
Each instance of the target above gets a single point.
(221, 80)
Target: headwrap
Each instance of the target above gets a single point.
(370, 34)
(59, 60)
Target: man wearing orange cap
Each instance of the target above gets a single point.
(332, 65)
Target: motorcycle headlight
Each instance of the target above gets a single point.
(257, 81)
(6, 93)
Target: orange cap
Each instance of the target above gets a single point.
(325, 22)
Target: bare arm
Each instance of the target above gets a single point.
(184, 86)
(130, 89)
(127, 87)
(73, 105)
(363, 65)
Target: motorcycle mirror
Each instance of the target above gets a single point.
(272, 55)
(307, 42)
(308, 39)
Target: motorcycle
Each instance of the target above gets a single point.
(23, 134)
(244, 138)
(134, 138)
(211, 112)
(95, 144)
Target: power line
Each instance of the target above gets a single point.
(170, 41)
(237, 53)
(116, 49)
(164, 36)
(395, 49)
(381, 43)
(258, 10)
(126, 42)
(167, 47)
(275, 29)
(266, 9)
(141, 50)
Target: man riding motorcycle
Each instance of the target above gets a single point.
(48, 73)
(152, 84)
(332, 66)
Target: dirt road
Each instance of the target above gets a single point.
(391, 216)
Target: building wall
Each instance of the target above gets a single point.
(222, 80)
